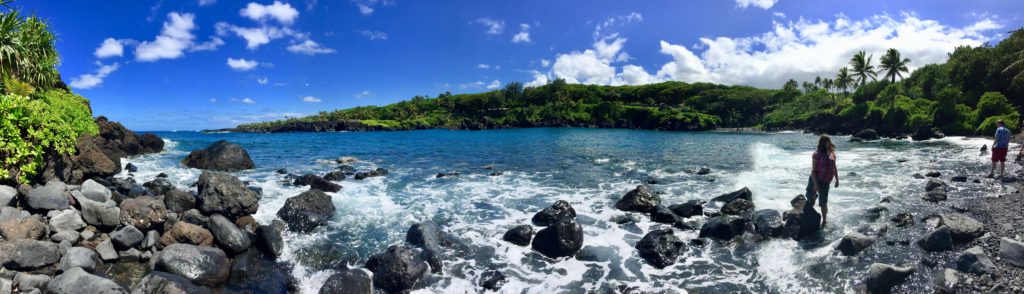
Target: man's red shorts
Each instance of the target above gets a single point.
(999, 154)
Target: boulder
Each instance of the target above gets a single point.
(159, 186)
(70, 236)
(396, 269)
(374, 173)
(24, 228)
(973, 260)
(938, 240)
(946, 281)
(1012, 251)
(492, 280)
(660, 248)
(25, 254)
(430, 239)
(126, 237)
(228, 235)
(307, 211)
(316, 182)
(26, 281)
(519, 235)
(352, 281)
(11, 213)
(768, 223)
(933, 174)
(91, 162)
(144, 212)
(688, 208)
(206, 266)
(67, 220)
(903, 219)
(346, 160)
(737, 207)
(963, 228)
(224, 194)
(7, 195)
(866, 135)
(269, 240)
(808, 223)
(723, 227)
(193, 216)
(165, 283)
(251, 273)
(79, 257)
(77, 280)
(738, 194)
(882, 277)
(152, 238)
(221, 156)
(640, 199)
(179, 201)
(103, 214)
(106, 250)
(150, 143)
(183, 232)
(335, 176)
(49, 197)
(854, 243)
(554, 213)
(95, 191)
(560, 239)
(662, 214)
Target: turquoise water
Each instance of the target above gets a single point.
(590, 168)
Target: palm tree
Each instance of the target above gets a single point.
(893, 65)
(26, 50)
(843, 80)
(1018, 62)
(862, 68)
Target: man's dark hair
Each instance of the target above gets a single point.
(1000, 122)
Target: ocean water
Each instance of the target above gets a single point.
(592, 169)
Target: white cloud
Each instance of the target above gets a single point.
(494, 85)
(262, 81)
(779, 14)
(309, 47)
(771, 58)
(248, 101)
(616, 20)
(523, 36)
(175, 37)
(483, 66)
(207, 2)
(109, 48)
(544, 62)
(763, 4)
(87, 81)
(363, 94)
(374, 35)
(257, 36)
(281, 12)
(213, 100)
(310, 99)
(242, 64)
(472, 85)
(210, 45)
(365, 9)
(494, 27)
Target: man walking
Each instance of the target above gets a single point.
(999, 149)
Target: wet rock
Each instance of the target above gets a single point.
(159, 186)
(335, 176)
(938, 240)
(179, 201)
(49, 197)
(396, 269)
(144, 212)
(165, 283)
(127, 237)
(946, 281)
(352, 281)
(429, 238)
(447, 174)
(269, 240)
(519, 235)
(768, 223)
(886, 199)
(933, 174)
(23, 228)
(936, 195)
(808, 223)
(183, 232)
(854, 243)
(867, 135)
(25, 254)
(79, 257)
(660, 248)
(959, 179)
(251, 273)
(662, 214)
(723, 227)
(1012, 251)
(688, 208)
(882, 277)
(492, 280)
(963, 228)
(561, 239)
(875, 213)
(221, 156)
(224, 194)
(974, 260)
(370, 174)
(903, 219)
(628, 218)
(316, 182)
(207, 266)
(228, 235)
(738, 194)
(554, 213)
(281, 171)
(106, 250)
(307, 211)
(346, 160)
(640, 199)
(737, 207)
(77, 280)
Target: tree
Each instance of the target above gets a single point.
(862, 68)
(843, 80)
(1017, 63)
(26, 50)
(893, 65)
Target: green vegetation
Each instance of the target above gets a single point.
(38, 115)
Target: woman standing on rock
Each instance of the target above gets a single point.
(823, 169)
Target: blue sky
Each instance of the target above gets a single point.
(199, 64)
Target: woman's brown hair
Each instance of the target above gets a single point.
(825, 145)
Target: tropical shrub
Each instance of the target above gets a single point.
(31, 126)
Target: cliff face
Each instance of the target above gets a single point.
(100, 155)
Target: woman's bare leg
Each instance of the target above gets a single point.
(824, 213)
